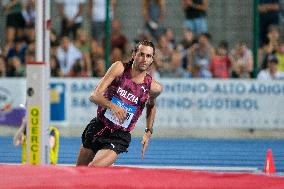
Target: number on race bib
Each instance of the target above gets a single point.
(130, 113)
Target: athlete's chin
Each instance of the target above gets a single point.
(143, 68)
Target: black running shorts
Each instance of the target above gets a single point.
(97, 137)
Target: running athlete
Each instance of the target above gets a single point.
(121, 96)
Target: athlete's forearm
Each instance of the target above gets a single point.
(156, 89)
(118, 112)
(100, 100)
(150, 115)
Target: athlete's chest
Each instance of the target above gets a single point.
(131, 92)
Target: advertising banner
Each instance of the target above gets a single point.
(12, 101)
(79, 108)
(186, 103)
(221, 103)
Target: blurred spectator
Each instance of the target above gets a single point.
(67, 55)
(55, 70)
(54, 42)
(99, 68)
(87, 63)
(28, 13)
(187, 39)
(97, 12)
(30, 36)
(153, 12)
(29, 56)
(269, 11)
(280, 56)
(281, 18)
(166, 46)
(5, 49)
(141, 36)
(242, 61)
(186, 42)
(71, 13)
(170, 37)
(163, 55)
(196, 15)
(2, 66)
(221, 64)
(271, 72)
(54, 39)
(15, 68)
(19, 50)
(97, 51)
(12, 10)
(97, 59)
(78, 70)
(116, 55)
(117, 38)
(200, 56)
(175, 68)
(83, 41)
(270, 46)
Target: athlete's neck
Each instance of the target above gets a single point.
(137, 76)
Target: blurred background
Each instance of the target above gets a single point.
(245, 32)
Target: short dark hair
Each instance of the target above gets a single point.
(145, 43)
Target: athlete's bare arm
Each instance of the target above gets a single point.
(97, 96)
(155, 91)
(17, 139)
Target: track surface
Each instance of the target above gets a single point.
(208, 154)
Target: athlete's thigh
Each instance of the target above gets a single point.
(104, 158)
(85, 156)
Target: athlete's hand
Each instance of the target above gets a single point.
(145, 142)
(119, 113)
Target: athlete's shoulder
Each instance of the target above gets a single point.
(156, 88)
(116, 69)
(117, 65)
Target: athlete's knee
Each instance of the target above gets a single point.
(101, 162)
(98, 164)
(85, 157)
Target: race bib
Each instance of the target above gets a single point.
(129, 109)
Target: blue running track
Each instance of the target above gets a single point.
(174, 152)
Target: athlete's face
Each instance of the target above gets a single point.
(143, 58)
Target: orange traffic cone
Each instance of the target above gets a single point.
(269, 163)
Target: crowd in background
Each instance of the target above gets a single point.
(78, 52)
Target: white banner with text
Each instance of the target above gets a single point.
(184, 102)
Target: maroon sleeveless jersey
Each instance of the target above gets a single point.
(127, 94)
